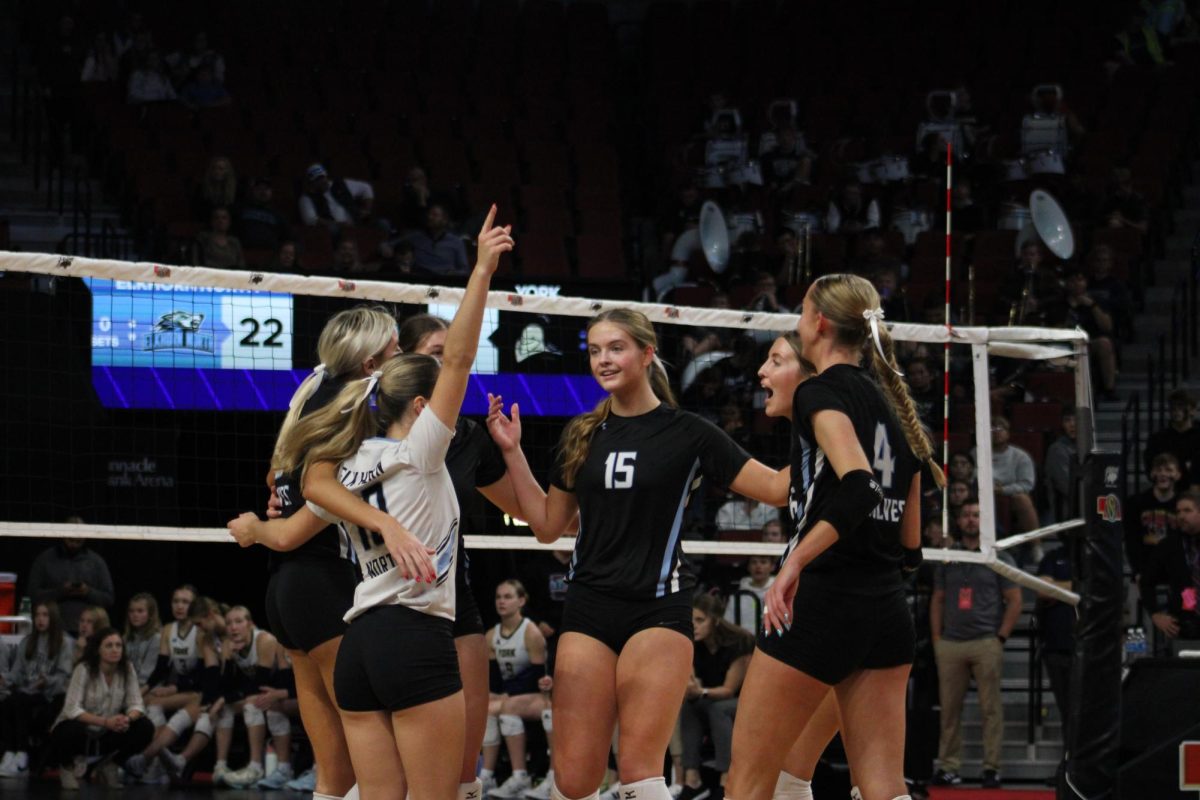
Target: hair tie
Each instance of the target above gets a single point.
(371, 382)
(873, 317)
(318, 375)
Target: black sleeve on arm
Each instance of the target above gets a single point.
(855, 496)
(286, 679)
(495, 680)
(912, 560)
(491, 467)
(210, 684)
(263, 676)
(162, 670)
(1152, 575)
(721, 458)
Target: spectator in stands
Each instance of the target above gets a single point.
(1056, 630)
(203, 90)
(698, 341)
(773, 532)
(285, 257)
(126, 31)
(1150, 515)
(103, 704)
(416, 197)
(1059, 467)
(91, 619)
(100, 64)
(134, 49)
(933, 535)
(765, 295)
(1175, 563)
(217, 247)
(37, 680)
(742, 609)
(74, 576)
(969, 632)
(1033, 285)
(871, 256)
(142, 636)
(1077, 308)
(1181, 437)
(148, 83)
(850, 212)
(399, 257)
(789, 164)
(184, 64)
(1110, 292)
(346, 259)
(962, 468)
(893, 300)
(745, 514)
(721, 655)
(957, 492)
(926, 394)
(1124, 207)
(733, 422)
(706, 395)
(334, 202)
(437, 250)
(218, 188)
(969, 216)
(259, 225)
(1014, 475)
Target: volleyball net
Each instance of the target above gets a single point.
(145, 398)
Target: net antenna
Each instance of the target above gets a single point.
(1067, 347)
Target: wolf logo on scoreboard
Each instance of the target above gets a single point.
(179, 330)
(179, 320)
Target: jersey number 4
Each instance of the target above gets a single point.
(618, 470)
(374, 496)
(883, 462)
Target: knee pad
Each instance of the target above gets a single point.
(278, 724)
(648, 789)
(491, 733)
(548, 721)
(511, 725)
(155, 715)
(555, 794)
(225, 720)
(253, 716)
(204, 725)
(180, 721)
(855, 794)
(471, 791)
(789, 787)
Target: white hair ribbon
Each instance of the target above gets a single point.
(371, 382)
(873, 316)
(318, 375)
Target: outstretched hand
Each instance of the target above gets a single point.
(493, 240)
(506, 431)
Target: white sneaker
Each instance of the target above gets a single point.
(108, 774)
(219, 774)
(543, 789)
(6, 761)
(307, 782)
(489, 785)
(135, 767)
(16, 765)
(515, 786)
(155, 775)
(278, 777)
(173, 762)
(613, 792)
(245, 777)
(69, 775)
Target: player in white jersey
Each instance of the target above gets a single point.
(517, 652)
(396, 678)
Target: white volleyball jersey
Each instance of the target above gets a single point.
(185, 650)
(247, 661)
(512, 655)
(408, 479)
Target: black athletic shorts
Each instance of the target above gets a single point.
(393, 658)
(467, 619)
(835, 633)
(614, 621)
(306, 600)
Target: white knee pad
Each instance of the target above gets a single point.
(278, 723)
(555, 794)
(511, 725)
(855, 794)
(204, 725)
(789, 787)
(225, 720)
(253, 716)
(471, 791)
(491, 733)
(648, 789)
(548, 721)
(350, 795)
(179, 722)
(155, 714)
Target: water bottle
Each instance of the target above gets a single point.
(1131, 645)
(26, 608)
(1140, 642)
(271, 761)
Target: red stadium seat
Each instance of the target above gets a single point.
(543, 256)
(1041, 417)
(1058, 386)
(600, 257)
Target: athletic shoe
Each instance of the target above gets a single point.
(515, 786)
(613, 792)
(173, 762)
(991, 779)
(674, 789)
(694, 793)
(108, 774)
(946, 778)
(543, 789)
(155, 775)
(245, 777)
(69, 775)
(278, 778)
(307, 782)
(135, 767)
(6, 761)
(17, 765)
(489, 785)
(219, 774)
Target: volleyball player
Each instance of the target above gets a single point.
(844, 623)
(396, 678)
(517, 650)
(628, 468)
(475, 464)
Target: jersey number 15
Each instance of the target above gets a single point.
(618, 470)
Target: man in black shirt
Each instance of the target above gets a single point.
(1181, 437)
(1150, 515)
(1176, 563)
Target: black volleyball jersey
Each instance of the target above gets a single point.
(330, 542)
(473, 460)
(866, 560)
(632, 490)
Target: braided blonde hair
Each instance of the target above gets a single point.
(842, 299)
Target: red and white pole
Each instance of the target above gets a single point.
(946, 348)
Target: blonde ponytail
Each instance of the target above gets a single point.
(888, 374)
(332, 433)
